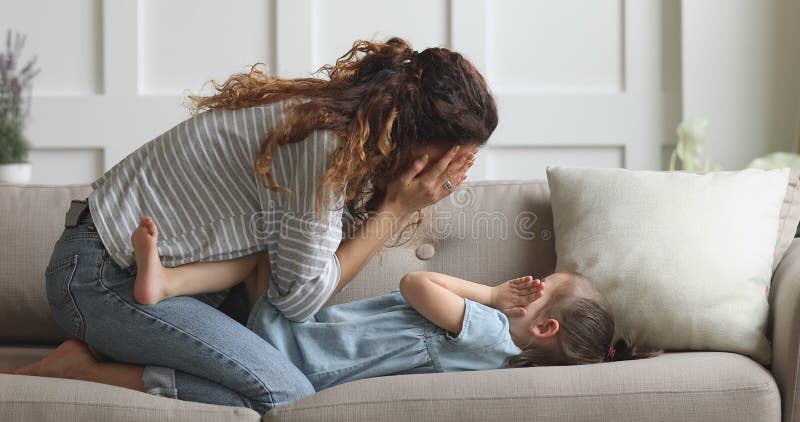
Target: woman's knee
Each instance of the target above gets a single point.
(286, 385)
(301, 390)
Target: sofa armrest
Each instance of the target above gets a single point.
(784, 323)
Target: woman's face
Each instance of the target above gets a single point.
(435, 153)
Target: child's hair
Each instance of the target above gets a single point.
(587, 330)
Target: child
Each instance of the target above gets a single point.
(435, 323)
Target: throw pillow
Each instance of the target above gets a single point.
(684, 259)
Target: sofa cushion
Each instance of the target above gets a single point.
(683, 259)
(26, 398)
(33, 219)
(698, 386)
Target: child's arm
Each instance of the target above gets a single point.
(439, 305)
(440, 298)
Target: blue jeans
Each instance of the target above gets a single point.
(190, 350)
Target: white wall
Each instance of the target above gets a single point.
(741, 67)
(578, 82)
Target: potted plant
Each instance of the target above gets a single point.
(689, 149)
(14, 107)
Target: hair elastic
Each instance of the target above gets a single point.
(611, 353)
(414, 55)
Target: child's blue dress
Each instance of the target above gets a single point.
(383, 335)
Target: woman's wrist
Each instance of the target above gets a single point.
(393, 210)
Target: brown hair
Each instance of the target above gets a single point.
(586, 330)
(381, 99)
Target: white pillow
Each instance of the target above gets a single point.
(684, 259)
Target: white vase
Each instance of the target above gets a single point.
(15, 173)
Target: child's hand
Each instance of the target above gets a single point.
(514, 295)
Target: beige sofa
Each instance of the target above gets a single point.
(490, 231)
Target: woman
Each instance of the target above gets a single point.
(268, 168)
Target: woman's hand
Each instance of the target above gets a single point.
(514, 295)
(415, 189)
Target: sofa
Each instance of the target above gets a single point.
(488, 231)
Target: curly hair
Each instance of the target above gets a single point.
(382, 100)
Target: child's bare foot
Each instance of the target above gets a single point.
(150, 285)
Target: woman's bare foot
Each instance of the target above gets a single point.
(151, 280)
(72, 359)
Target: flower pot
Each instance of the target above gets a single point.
(15, 173)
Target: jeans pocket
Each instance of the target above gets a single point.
(59, 275)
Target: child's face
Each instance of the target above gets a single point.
(526, 328)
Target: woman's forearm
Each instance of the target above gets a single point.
(354, 253)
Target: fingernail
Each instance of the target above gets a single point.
(470, 163)
(458, 147)
(424, 158)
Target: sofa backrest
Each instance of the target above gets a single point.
(485, 231)
(488, 232)
(32, 220)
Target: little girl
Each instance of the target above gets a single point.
(435, 323)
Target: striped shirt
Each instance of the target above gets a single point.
(198, 182)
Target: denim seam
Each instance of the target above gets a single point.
(81, 235)
(81, 331)
(76, 316)
(204, 343)
(464, 325)
(159, 391)
(65, 262)
(437, 366)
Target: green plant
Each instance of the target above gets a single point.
(691, 143)
(14, 95)
(13, 146)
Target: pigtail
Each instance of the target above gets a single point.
(629, 349)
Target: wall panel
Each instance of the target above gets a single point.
(531, 162)
(576, 83)
(335, 25)
(66, 37)
(65, 165)
(561, 47)
(184, 43)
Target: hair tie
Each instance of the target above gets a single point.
(611, 353)
(414, 55)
